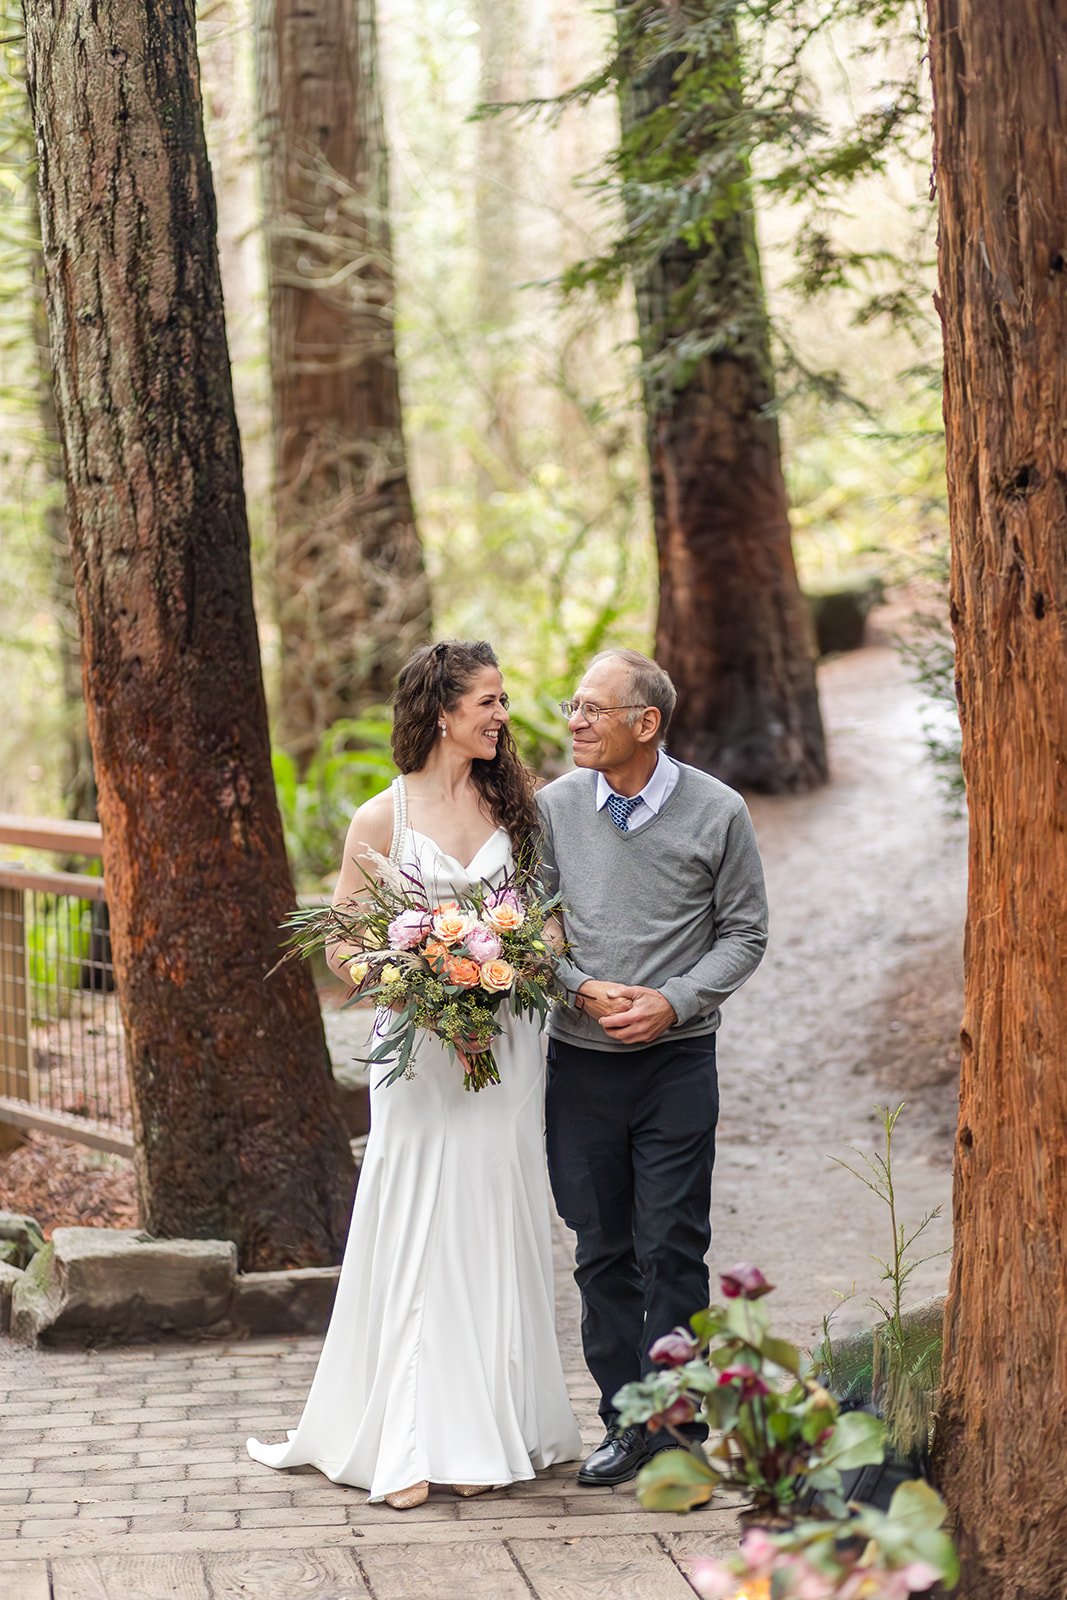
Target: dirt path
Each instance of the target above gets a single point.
(856, 1003)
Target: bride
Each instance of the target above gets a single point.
(440, 1363)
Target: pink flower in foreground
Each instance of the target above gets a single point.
(483, 944)
(674, 1349)
(712, 1580)
(677, 1414)
(744, 1280)
(747, 1378)
(407, 929)
(758, 1548)
(919, 1575)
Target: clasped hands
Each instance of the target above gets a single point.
(627, 1012)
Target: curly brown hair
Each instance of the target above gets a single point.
(432, 681)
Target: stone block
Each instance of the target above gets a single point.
(9, 1277)
(96, 1284)
(24, 1234)
(840, 615)
(299, 1301)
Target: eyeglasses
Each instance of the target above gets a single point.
(589, 711)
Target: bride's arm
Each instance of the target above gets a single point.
(371, 829)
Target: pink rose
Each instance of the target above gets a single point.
(746, 1280)
(745, 1378)
(483, 944)
(503, 897)
(677, 1414)
(674, 1349)
(407, 929)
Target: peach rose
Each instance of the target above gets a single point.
(450, 924)
(437, 956)
(496, 976)
(504, 918)
(463, 972)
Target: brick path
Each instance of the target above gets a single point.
(123, 1476)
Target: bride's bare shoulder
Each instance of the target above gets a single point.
(372, 823)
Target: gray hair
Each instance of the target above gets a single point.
(648, 684)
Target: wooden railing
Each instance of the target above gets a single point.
(62, 1052)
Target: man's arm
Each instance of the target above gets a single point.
(570, 976)
(739, 904)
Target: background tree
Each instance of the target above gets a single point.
(1000, 96)
(733, 629)
(236, 1129)
(32, 445)
(352, 597)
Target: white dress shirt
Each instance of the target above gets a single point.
(652, 797)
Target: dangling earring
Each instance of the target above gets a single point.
(444, 730)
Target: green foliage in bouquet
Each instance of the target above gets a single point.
(446, 968)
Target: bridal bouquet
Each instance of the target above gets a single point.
(449, 968)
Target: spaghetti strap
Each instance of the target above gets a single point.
(400, 819)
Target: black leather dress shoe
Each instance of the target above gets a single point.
(620, 1458)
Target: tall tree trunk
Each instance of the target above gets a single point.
(1000, 119)
(237, 1132)
(76, 761)
(496, 241)
(351, 589)
(733, 629)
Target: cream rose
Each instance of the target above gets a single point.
(390, 973)
(496, 976)
(504, 918)
(450, 924)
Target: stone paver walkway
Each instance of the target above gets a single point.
(124, 1477)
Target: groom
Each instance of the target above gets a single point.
(666, 915)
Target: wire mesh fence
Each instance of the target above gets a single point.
(62, 1050)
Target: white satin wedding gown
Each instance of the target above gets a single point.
(441, 1361)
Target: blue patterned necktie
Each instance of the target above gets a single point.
(621, 809)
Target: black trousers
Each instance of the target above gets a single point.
(631, 1145)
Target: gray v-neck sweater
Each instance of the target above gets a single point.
(676, 904)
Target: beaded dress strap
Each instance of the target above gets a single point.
(400, 819)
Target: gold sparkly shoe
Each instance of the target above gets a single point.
(469, 1490)
(408, 1499)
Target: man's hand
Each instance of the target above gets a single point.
(645, 1015)
(597, 999)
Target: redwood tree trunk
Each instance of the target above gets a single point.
(1000, 96)
(733, 630)
(237, 1132)
(351, 589)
